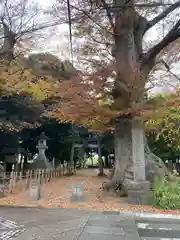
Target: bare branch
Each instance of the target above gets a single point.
(169, 70)
(70, 27)
(171, 36)
(6, 10)
(34, 29)
(85, 13)
(108, 12)
(163, 15)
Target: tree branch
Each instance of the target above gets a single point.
(163, 15)
(85, 13)
(108, 12)
(169, 70)
(171, 36)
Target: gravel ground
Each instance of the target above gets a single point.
(57, 194)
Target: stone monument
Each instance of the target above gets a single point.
(34, 191)
(2, 191)
(139, 188)
(41, 160)
(78, 193)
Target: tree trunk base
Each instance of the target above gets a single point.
(69, 174)
(155, 167)
(101, 175)
(123, 175)
(118, 189)
(111, 173)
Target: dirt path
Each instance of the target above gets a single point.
(58, 194)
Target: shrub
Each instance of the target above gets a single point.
(166, 193)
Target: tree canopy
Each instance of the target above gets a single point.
(164, 123)
(114, 82)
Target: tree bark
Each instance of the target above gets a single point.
(9, 42)
(106, 160)
(123, 174)
(92, 160)
(100, 160)
(123, 154)
(131, 77)
(71, 162)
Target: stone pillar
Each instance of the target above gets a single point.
(138, 156)
(139, 188)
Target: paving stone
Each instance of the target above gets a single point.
(34, 217)
(125, 227)
(93, 236)
(159, 233)
(56, 228)
(62, 227)
(153, 230)
(34, 233)
(108, 223)
(111, 213)
(70, 235)
(110, 217)
(154, 238)
(104, 230)
(73, 211)
(157, 225)
(72, 224)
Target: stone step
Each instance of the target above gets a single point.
(158, 230)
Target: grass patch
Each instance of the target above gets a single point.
(166, 193)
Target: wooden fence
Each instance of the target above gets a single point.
(20, 181)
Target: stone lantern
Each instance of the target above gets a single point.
(42, 143)
(41, 160)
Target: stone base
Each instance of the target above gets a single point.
(78, 199)
(139, 193)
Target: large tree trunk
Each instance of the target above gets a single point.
(7, 51)
(123, 155)
(123, 158)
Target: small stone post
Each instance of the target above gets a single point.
(139, 189)
(34, 191)
(78, 193)
(2, 191)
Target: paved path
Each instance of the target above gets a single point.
(73, 224)
(158, 229)
(64, 224)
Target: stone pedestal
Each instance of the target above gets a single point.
(2, 191)
(139, 193)
(139, 189)
(34, 191)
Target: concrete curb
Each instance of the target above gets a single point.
(148, 215)
(13, 206)
(145, 215)
(138, 215)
